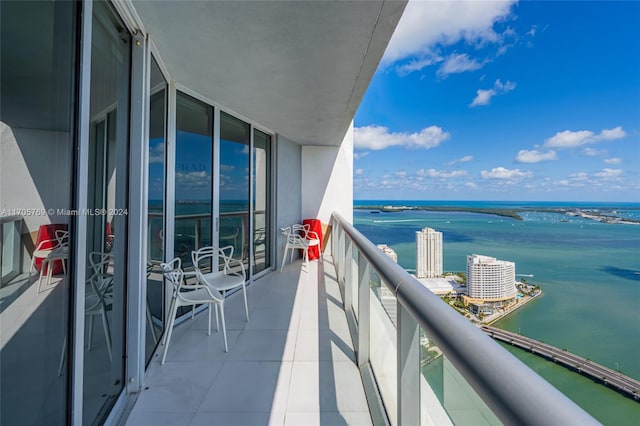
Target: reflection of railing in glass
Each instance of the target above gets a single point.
(193, 231)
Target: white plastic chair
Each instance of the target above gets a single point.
(298, 237)
(59, 251)
(189, 295)
(98, 297)
(231, 276)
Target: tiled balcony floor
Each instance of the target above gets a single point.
(292, 364)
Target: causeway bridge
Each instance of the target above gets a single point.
(614, 379)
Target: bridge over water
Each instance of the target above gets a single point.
(614, 379)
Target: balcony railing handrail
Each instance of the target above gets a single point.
(514, 392)
(203, 215)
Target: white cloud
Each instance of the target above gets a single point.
(535, 156)
(433, 173)
(609, 173)
(471, 185)
(592, 152)
(464, 159)
(194, 179)
(458, 63)
(611, 134)
(359, 171)
(360, 155)
(506, 174)
(425, 24)
(571, 139)
(614, 160)
(379, 137)
(483, 97)
(156, 151)
(418, 64)
(400, 174)
(580, 176)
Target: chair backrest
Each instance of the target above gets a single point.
(172, 271)
(222, 256)
(286, 230)
(62, 237)
(170, 266)
(100, 280)
(202, 254)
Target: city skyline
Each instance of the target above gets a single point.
(504, 101)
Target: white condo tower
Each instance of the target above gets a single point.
(428, 253)
(490, 279)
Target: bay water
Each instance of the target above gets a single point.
(589, 273)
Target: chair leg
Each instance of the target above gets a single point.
(62, 356)
(246, 306)
(90, 333)
(166, 332)
(217, 321)
(107, 332)
(150, 321)
(42, 267)
(169, 332)
(284, 258)
(209, 323)
(49, 272)
(224, 328)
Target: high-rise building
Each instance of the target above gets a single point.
(388, 251)
(490, 280)
(428, 253)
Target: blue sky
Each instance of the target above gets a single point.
(504, 101)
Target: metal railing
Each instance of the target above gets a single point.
(373, 284)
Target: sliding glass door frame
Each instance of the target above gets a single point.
(174, 88)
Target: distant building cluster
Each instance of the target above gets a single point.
(388, 251)
(490, 281)
(428, 253)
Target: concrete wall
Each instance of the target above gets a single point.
(327, 183)
(35, 173)
(288, 189)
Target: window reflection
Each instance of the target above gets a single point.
(106, 229)
(155, 219)
(234, 185)
(261, 200)
(38, 47)
(193, 184)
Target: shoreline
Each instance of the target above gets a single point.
(598, 215)
(511, 309)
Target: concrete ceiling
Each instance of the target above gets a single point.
(299, 68)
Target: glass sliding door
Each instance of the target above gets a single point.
(37, 144)
(193, 182)
(235, 141)
(105, 287)
(261, 201)
(156, 212)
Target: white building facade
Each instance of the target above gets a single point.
(490, 279)
(428, 253)
(388, 251)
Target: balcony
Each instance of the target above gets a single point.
(353, 340)
(292, 363)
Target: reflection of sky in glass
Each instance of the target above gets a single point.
(234, 171)
(193, 167)
(156, 169)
